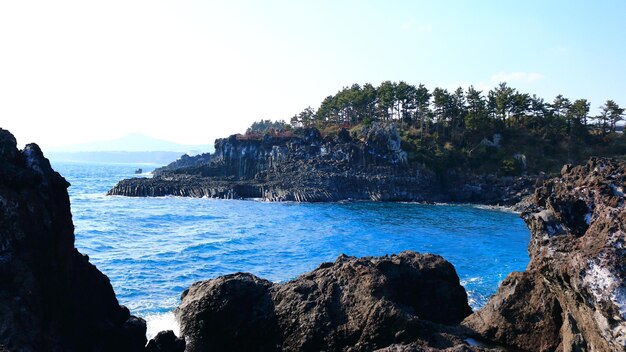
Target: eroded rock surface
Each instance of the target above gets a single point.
(353, 304)
(572, 297)
(51, 297)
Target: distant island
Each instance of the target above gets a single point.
(399, 142)
(133, 148)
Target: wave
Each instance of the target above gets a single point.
(161, 322)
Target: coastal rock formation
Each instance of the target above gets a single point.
(353, 304)
(51, 297)
(306, 167)
(572, 296)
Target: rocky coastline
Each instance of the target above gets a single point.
(571, 297)
(369, 165)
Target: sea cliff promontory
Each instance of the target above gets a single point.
(305, 166)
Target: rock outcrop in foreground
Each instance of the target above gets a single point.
(352, 304)
(51, 297)
(307, 167)
(572, 296)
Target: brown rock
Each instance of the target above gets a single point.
(572, 297)
(352, 304)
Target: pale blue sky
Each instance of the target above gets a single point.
(192, 71)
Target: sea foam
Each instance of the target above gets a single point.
(161, 322)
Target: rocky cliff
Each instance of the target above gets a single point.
(572, 296)
(51, 297)
(307, 167)
(353, 304)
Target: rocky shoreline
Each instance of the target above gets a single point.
(370, 165)
(571, 297)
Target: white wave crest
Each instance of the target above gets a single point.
(161, 322)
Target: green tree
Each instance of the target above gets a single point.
(442, 103)
(265, 126)
(519, 106)
(560, 106)
(386, 100)
(604, 119)
(579, 111)
(500, 100)
(616, 114)
(304, 119)
(327, 110)
(406, 95)
(459, 109)
(476, 118)
(422, 99)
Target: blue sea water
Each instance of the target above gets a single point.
(154, 248)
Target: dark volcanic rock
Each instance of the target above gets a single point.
(51, 297)
(304, 168)
(309, 168)
(572, 296)
(352, 304)
(166, 341)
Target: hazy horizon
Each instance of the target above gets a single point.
(189, 72)
(132, 142)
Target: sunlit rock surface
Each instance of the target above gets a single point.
(572, 297)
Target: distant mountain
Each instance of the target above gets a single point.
(135, 142)
(133, 148)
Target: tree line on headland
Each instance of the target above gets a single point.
(444, 129)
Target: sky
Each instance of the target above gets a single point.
(192, 71)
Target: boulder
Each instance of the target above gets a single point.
(572, 296)
(51, 297)
(351, 304)
(166, 341)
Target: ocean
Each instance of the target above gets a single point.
(154, 248)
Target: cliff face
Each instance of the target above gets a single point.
(309, 168)
(303, 167)
(572, 297)
(51, 297)
(353, 304)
